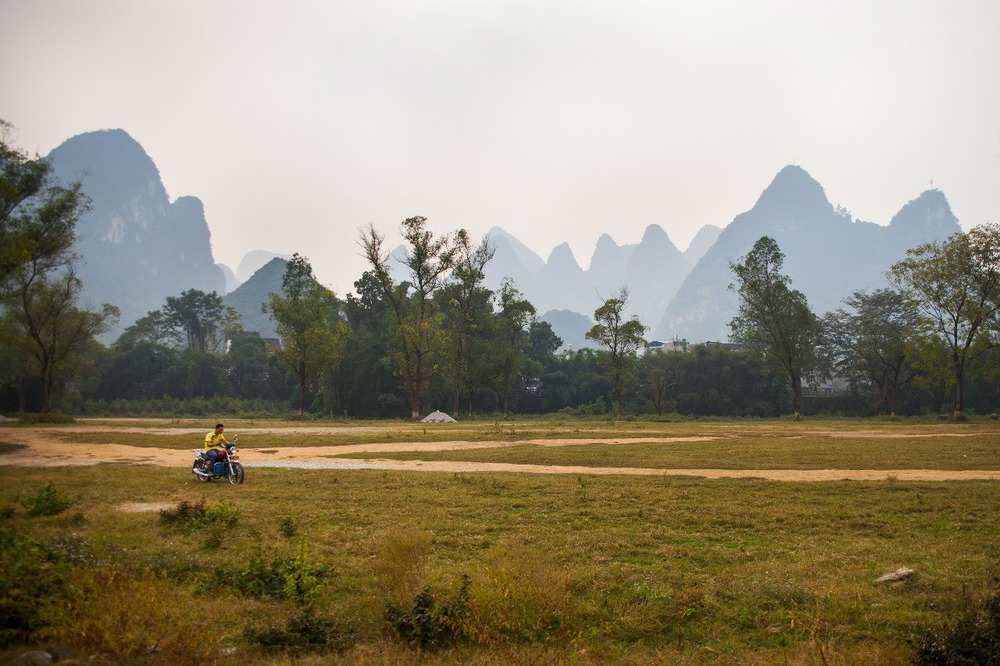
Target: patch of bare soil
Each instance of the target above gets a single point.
(42, 451)
(140, 507)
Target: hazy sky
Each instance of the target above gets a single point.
(298, 123)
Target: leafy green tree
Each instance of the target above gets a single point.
(249, 371)
(139, 369)
(415, 315)
(516, 314)
(153, 329)
(43, 322)
(143, 359)
(467, 306)
(622, 337)
(39, 291)
(543, 342)
(773, 320)
(364, 383)
(309, 326)
(715, 380)
(576, 381)
(657, 377)
(37, 216)
(955, 286)
(870, 345)
(203, 318)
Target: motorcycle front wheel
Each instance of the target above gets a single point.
(236, 475)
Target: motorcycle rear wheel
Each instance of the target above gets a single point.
(236, 477)
(200, 477)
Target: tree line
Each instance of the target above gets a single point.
(430, 335)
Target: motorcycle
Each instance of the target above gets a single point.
(227, 466)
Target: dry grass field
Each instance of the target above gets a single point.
(537, 541)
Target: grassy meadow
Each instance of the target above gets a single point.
(145, 565)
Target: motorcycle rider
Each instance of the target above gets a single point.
(215, 443)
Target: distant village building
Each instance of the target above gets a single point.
(675, 344)
(825, 386)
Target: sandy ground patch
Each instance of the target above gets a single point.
(43, 451)
(140, 507)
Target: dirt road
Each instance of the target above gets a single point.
(42, 450)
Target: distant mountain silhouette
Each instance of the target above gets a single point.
(653, 275)
(609, 262)
(248, 298)
(136, 246)
(702, 243)
(828, 255)
(253, 261)
(651, 270)
(511, 259)
(229, 277)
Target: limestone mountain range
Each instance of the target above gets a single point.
(137, 247)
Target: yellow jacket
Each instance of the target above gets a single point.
(213, 441)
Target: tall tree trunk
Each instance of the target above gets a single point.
(959, 390)
(47, 390)
(302, 390)
(796, 399)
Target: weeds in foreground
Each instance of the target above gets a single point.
(973, 637)
(31, 577)
(191, 516)
(49, 501)
(296, 579)
(305, 631)
(430, 622)
(561, 569)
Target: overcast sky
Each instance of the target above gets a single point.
(298, 123)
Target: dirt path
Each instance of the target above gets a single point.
(43, 451)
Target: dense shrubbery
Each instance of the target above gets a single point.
(973, 638)
(304, 631)
(293, 578)
(32, 578)
(193, 407)
(49, 501)
(711, 380)
(191, 516)
(430, 622)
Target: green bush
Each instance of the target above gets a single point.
(187, 407)
(292, 578)
(191, 516)
(31, 418)
(304, 632)
(287, 527)
(32, 578)
(974, 638)
(183, 513)
(428, 622)
(47, 502)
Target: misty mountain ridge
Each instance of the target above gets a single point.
(248, 298)
(828, 255)
(254, 260)
(136, 247)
